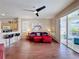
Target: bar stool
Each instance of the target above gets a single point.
(5, 37)
(16, 35)
(8, 36)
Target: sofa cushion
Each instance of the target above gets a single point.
(38, 34)
(47, 39)
(37, 38)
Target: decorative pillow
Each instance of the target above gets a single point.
(38, 34)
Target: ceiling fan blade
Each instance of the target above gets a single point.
(41, 8)
(37, 14)
(29, 10)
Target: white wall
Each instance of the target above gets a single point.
(27, 25)
(1, 40)
(57, 30)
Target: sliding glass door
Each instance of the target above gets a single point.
(69, 30)
(73, 30)
(63, 30)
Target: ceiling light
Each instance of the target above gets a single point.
(35, 12)
(3, 14)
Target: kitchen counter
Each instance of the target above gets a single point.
(6, 41)
(2, 41)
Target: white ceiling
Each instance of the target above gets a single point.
(15, 8)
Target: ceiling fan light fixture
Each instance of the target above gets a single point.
(35, 12)
(3, 14)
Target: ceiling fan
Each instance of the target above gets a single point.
(36, 10)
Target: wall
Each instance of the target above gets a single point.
(1, 40)
(14, 39)
(27, 25)
(19, 28)
(74, 6)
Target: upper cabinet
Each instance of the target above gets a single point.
(9, 25)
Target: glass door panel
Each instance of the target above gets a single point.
(63, 30)
(73, 30)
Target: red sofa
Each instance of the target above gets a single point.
(37, 38)
(46, 37)
(40, 37)
(34, 37)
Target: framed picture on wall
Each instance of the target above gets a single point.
(36, 27)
